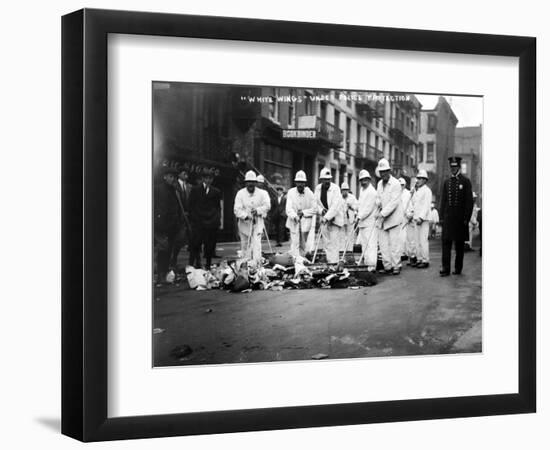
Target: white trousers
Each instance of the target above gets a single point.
(368, 238)
(346, 238)
(390, 247)
(251, 248)
(330, 235)
(297, 245)
(422, 247)
(407, 236)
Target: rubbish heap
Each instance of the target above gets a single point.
(280, 271)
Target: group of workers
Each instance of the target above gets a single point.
(388, 219)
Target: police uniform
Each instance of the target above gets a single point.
(456, 209)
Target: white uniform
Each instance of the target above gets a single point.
(251, 228)
(434, 220)
(407, 234)
(472, 224)
(422, 205)
(299, 228)
(349, 208)
(368, 232)
(389, 195)
(330, 231)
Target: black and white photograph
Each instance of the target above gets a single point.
(309, 224)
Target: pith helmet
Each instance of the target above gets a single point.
(402, 181)
(422, 174)
(345, 185)
(383, 164)
(250, 176)
(260, 179)
(300, 176)
(325, 174)
(364, 174)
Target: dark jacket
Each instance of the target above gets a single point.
(278, 210)
(184, 194)
(167, 208)
(456, 208)
(204, 209)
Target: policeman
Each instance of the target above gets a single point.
(328, 200)
(300, 208)
(251, 207)
(349, 207)
(456, 211)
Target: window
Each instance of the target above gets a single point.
(431, 123)
(430, 156)
(308, 104)
(420, 152)
(291, 111)
(274, 112)
(348, 133)
(337, 119)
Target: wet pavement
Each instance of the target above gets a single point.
(415, 313)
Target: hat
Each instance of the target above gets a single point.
(300, 176)
(364, 174)
(164, 170)
(402, 181)
(208, 172)
(250, 176)
(325, 174)
(422, 174)
(345, 185)
(454, 161)
(383, 164)
(260, 179)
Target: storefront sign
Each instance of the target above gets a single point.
(299, 134)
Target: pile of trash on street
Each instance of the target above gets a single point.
(277, 272)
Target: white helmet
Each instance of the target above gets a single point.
(325, 174)
(422, 174)
(260, 179)
(250, 176)
(402, 181)
(364, 174)
(383, 164)
(345, 185)
(300, 176)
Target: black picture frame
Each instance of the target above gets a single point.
(84, 224)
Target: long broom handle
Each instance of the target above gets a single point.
(318, 241)
(267, 237)
(348, 240)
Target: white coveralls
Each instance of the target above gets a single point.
(408, 229)
(472, 224)
(368, 232)
(349, 208)
(330, 231)
(251, 227)
(389, 195)
(422, 205)
(299, 228)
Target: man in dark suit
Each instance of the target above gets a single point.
(183, 189)
(168, 213)
(456, 210)
(205, 218)
(278, 215)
